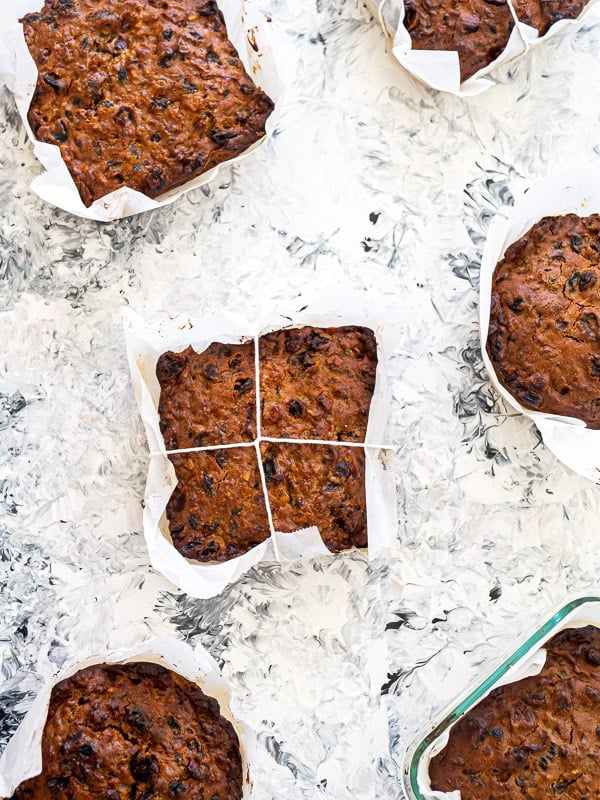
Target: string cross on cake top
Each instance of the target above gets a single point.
(268, 435)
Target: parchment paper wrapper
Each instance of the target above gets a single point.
(440, 69)
(22, 758)
(147, 341)
(575, 192)
(531, 664)
(248, 29)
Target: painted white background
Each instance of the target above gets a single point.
(371, 182)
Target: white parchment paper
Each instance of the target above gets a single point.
(146, 341)
(575, 192)
(440, 69)
(530, 664)
(22, 758)
(248, 29)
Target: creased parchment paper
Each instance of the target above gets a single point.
(22, 758)
(440, 69)
(146, 341)
(575, 192)
(248, 29)
(530, 664)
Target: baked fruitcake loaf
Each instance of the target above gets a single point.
(134, 732)
(217, 510)
(207, 398)
(318, 485)
(544, 332)
(140, 93)
(317, 383)
(542, 14)
(537, 738)
(478, 30)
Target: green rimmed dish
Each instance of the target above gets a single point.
(576, 612)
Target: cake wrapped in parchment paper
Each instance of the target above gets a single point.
(249, 31)
(146, 341)
(22, 758)
(440, 69)
(575, 192)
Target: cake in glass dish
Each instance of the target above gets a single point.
(537, 737)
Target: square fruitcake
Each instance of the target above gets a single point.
(315, 383)
(313, 484)
(140, 93)
(218, 509)
(207, 398)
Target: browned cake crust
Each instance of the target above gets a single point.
(140, 93)
(207, 398)
(544, 333)
(318, 485)
(217, 510)
(478, 30)
(542, 14)
(135, 732)
(317, 383)
(536, 738)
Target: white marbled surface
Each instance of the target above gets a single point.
(371, 182)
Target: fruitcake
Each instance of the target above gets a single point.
(542, 14)
(478, 30)
(207, 398)
(135, 731)
(140, 93)
(318, 485)
(217, 510)
(536, 738)
(317, 383)
(544, 330)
